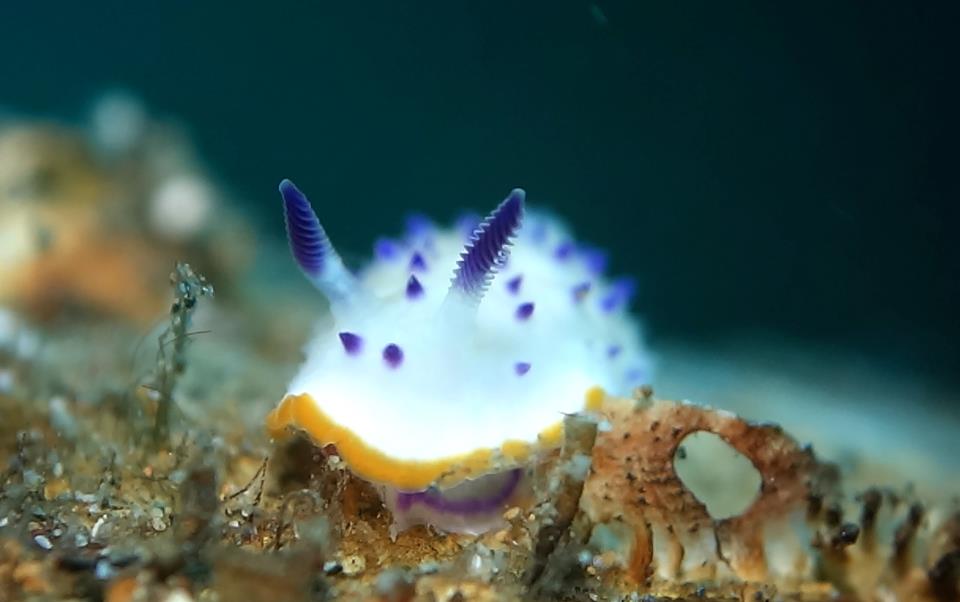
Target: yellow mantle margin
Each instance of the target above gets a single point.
(301, 412)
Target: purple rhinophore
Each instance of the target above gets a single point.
(417, 262)
(352, 343)
(414, 288)
(386, 249)
(613, 351)
(521, 368)
(467, 223)
(619, 294)
(513, 285)
(580, 291)
(393, 355)
(488, 247)
(595, 259)
(564, 251)
(524, 311)
(435, 499)
(308, 241)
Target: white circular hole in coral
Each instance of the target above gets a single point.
(722, 478)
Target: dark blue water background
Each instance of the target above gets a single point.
(762, 168)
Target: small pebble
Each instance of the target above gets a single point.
(4, 522)
(43, 541)
(104, 570)
(332, 567)
(511, 514)
(178, 595)
(101, 529)
(158, 524)
(353, 565)
(31, 478)
(61, 419)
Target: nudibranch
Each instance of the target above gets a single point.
(452, 358)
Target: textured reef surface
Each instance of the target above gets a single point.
(134, 462)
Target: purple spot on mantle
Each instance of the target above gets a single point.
(619, 294)
(352, 343)
(595, 260)
(613, 351)
(414, 288)
(419, 225)
(386, 249)
(418, 263)
(513, 285)
(524, 311)
(564, 251)
(580, 291)
(521, 368)
(393, 355)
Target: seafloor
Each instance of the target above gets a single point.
(133, 392)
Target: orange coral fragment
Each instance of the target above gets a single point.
(634, 481)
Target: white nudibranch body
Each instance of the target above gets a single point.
(455, 354)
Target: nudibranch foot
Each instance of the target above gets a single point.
(452, 358)
(472, 507)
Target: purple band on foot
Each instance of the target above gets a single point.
(432, 498)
